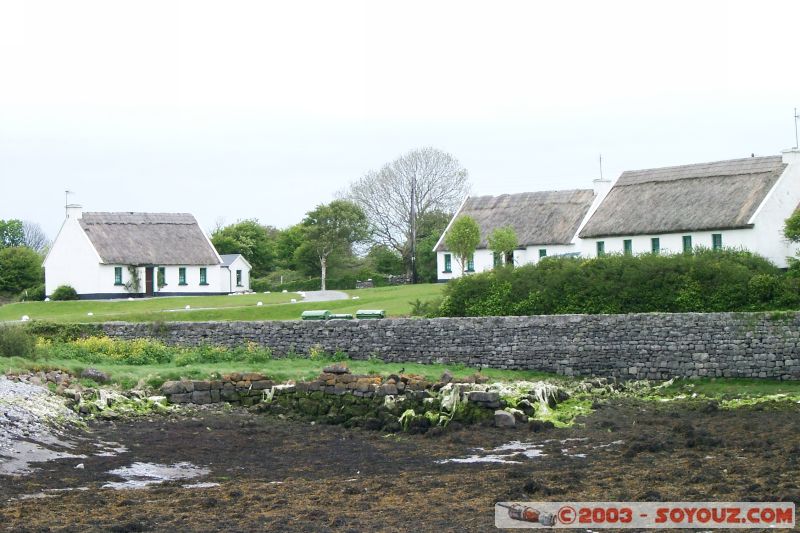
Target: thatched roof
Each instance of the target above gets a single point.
(148, 239)
(538, 218)
(707, 196)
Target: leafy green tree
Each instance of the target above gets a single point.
(503, 242)
(791, 228)
(251, 239)
(20, 269)
(385, 260)
(462, 239)
(332, 229)
(287, 242)
(11, 233)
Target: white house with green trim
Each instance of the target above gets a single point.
(120, 255)
(739, 203)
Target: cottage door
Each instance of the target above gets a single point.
(148, 281)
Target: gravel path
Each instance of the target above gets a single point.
(30, 421)
(324, 296)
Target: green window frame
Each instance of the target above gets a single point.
(542, 252)
(627, 246)
(203, 276)
(238, 278)
(655, 245)
(497, 258)
(716, 241)
(687, 244)
(182, 276)
(118, 276)
(162, 276)
(471, 263)
(448, 263)
(601, 248)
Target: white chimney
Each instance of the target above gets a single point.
(792, 155)
(74, 211)
(601, 186)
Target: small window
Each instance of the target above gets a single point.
(238, 278)
(448, 263)
(182, 276)
(687, 244)
(203, 272)
(498, 259)
(716, 241)
(627, 246)
(601, 248)
(655, 245)
(117, 275)
(471, 264)
(542, 252)
(162, 276)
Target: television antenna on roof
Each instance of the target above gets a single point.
(67, 192)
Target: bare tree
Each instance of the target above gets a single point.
(398, 195)
(34, 236)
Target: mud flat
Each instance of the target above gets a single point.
(224, 469)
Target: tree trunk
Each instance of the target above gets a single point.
(323, 265)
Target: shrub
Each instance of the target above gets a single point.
(110, 351)
(64, 292)
(34, 294)
(16, 342)
(704, 281)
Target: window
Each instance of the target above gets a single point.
(627, 246)
(238, 278)
(117, 275)
(471, 264)
(498, 259)
(655, 245)
(203, 280)
(601, 248)
(716, 241)
(182, 276)
(542, 252)
(162, 277)
(687, 244)
(447, 263)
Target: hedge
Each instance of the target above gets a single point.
(703, 281)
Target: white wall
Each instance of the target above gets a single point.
(484, 259)
(72, 261)
(213, 278)
(239, 264)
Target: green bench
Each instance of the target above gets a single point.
(316, 315)
(370, 314)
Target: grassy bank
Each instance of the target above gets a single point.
(396, 301)
(284, 369)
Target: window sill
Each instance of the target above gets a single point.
(447, 271)
(468, 271)
(239, 285)
(182, 284)
(203, 284)
(119, 284)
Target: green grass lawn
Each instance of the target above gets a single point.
(394, 300)
(130, 376)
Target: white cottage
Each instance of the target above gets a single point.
(117, 255)
(546, 224)
(739, 203)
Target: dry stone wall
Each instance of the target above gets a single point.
(639, 346)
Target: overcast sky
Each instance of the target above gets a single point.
(263, 110)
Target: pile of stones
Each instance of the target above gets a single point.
(236, 388)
